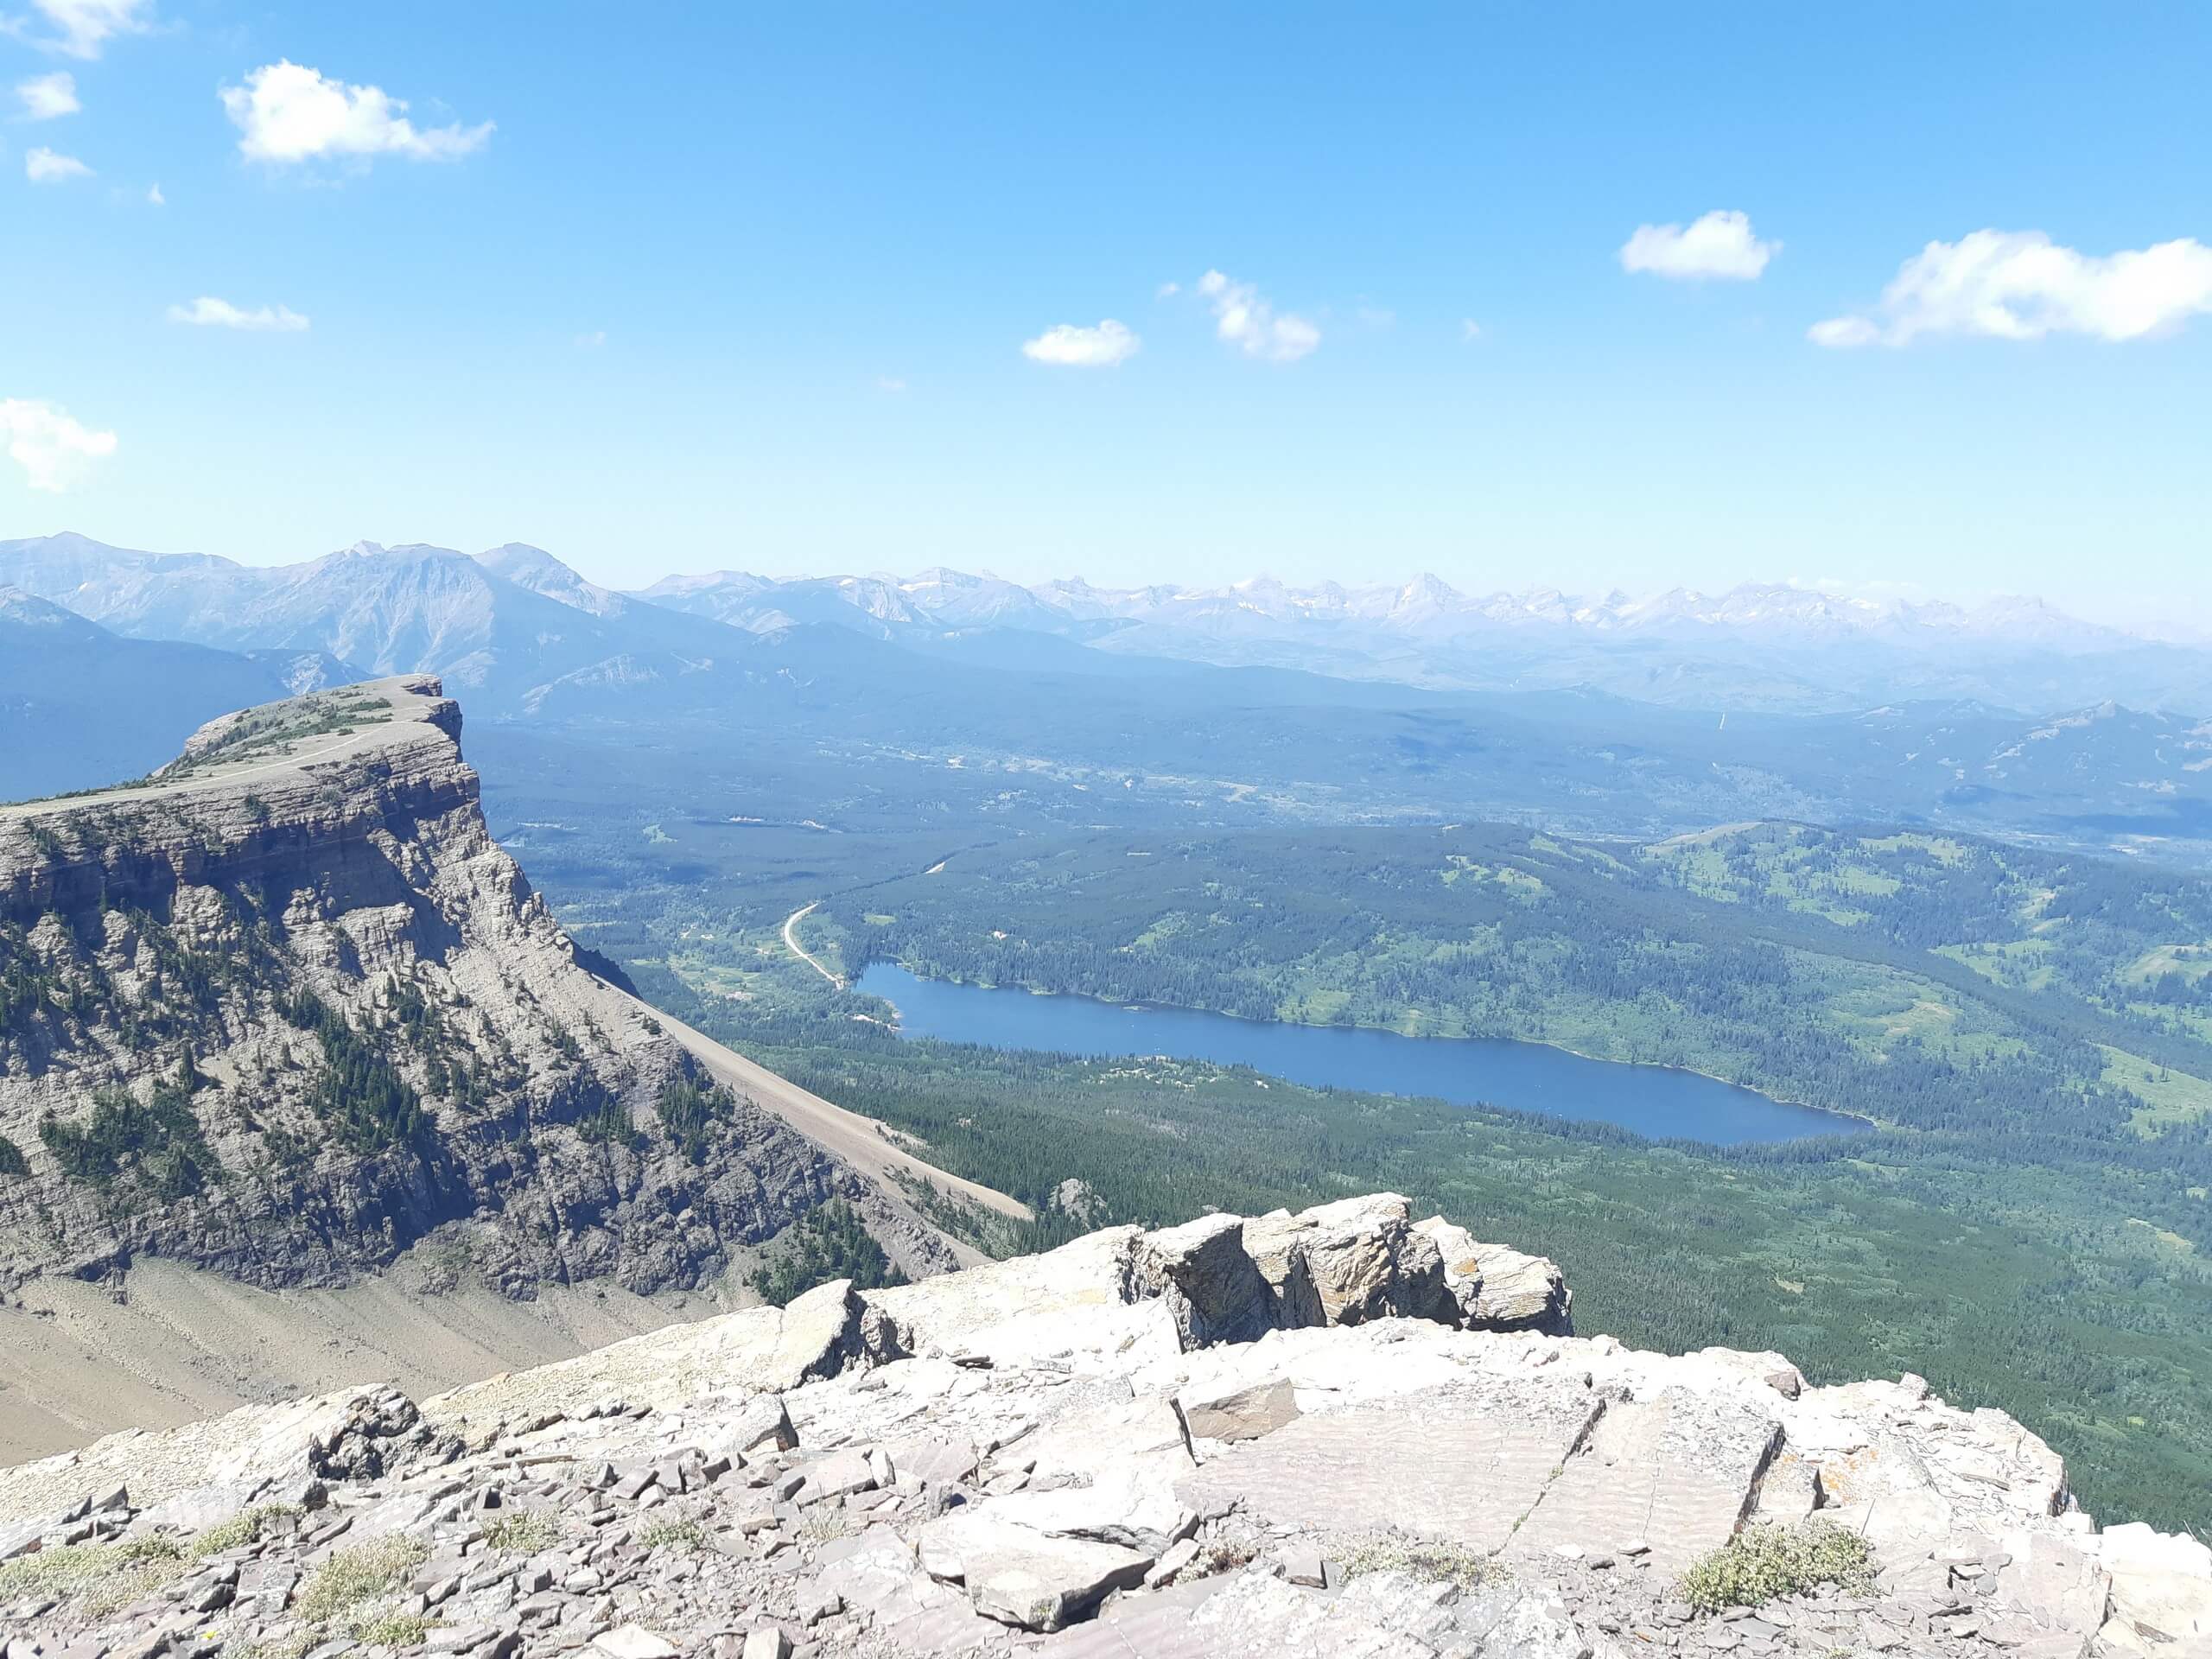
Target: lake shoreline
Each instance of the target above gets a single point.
(1848, 1123)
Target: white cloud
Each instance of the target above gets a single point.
(1168, 290)
(1469, 331)
(890, 383)
(155, 196)
(45, 97)
(1720, 244)
(44, 166)
(1247, 321)
(287, 112)
(1071, 347)
(2021, 285)
(591, 342)
(53, 450)
(209, 312)
(82, 26)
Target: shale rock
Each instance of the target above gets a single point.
(1062, 1456)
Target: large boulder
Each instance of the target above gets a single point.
(1496, 1288)
(1228, 1280)
(1211, 1284)
(1022, 1578)
(2161, 1601)
(1363, 1260)
(1107, 1473)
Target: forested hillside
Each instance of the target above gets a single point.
(1920, 980)
(2038, 1287)
(2029, 1227)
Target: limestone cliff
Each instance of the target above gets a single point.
(285, 1008)
(1262, 1438)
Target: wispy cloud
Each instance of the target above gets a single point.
(1720, 245)
(154, 196)
(1469, 331)
(44, 98)
(1251, 324)
(79, 29)
(1070, 346)
(53, 450)
(287, 112)
(206, 312)
(890, 383)
(2021, 285)
(44, 166)
(591, 339)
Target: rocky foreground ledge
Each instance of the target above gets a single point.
(1337, 1433)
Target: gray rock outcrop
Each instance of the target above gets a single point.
(1228, 1279)
(286, 1009)
(1055, 1456)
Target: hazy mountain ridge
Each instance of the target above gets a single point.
(1598, 730)
(483, 621)
(1757, 646)
(80, 705)
(406, 609)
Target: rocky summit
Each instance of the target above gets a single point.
(1340, 1432)
(284, 1010)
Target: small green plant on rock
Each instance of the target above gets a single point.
(825, 1524)
(293, 1645)
(394, 1630)
(673, 1532)
(1422, 1558)
(1767, 1561)
(352, 1576)
(525, 1532)
(250, 1526)
(107, 1576)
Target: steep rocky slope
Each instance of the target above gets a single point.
(1296, 1435)
(286, 1009)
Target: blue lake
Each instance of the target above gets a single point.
(1525, 1077)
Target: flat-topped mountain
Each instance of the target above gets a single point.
(80, 705)
(283, 1011)
(1338, 1431)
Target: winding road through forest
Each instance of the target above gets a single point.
(790, 939)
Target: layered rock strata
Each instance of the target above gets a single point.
(286, 1008)
(1052, 1456)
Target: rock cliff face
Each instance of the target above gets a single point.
(1119, 1448)
(285, 1008)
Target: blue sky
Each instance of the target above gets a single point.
(750, 286)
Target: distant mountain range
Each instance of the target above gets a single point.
(514, 621)
(1757, 646)
(1623, 716)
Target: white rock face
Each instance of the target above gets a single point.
(1052, 1456)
